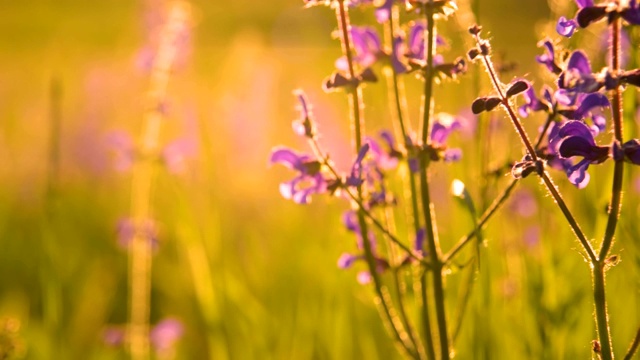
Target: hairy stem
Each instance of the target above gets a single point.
(633, 347)
(396, 91)
(599, 268)
(433, 244)
(357, 125)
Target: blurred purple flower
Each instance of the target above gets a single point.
(364, 277)
(123, 150)
(443, 126)
(165, 334)
(369, 51)
(346, 260)
(176, 154)
(304, 125)
(388, 157)
(126, 231)
(355, 176)
(524, 204)
(548, 59)
(308, 174)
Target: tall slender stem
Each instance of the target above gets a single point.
(599, 268)
(142, 179)
(433, 243)
(396, 91)
(357, 126)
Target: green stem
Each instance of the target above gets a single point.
(634, 346)
(433, 244)
(615, 204)
(557, 197)
(602, 318)
(396, 89)
(357, 124)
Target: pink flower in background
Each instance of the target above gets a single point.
(165, 334)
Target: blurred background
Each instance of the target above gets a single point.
(245, 273)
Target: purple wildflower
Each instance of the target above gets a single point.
(533, 103)
(443, 126)
(548, 59)
(309, 179)
(386, 158)
(369, 51)
(355, 176)
(346, 260)
(566, 27)
(305, 125)
(577, 140)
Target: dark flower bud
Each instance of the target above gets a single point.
(335, 81)
(368, 75)
(473, 53)
(631, 77)
(590, 14)
(485, 49)
(475, 29)
(517, 87)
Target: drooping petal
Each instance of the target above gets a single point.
(578, 129)
(285, 156)
(576, 146)
(578, 174)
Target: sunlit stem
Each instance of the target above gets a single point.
(433, 245)
(142, 180)
(357, 124)
(396, 91)
(615, 204)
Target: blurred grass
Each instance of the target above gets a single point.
(253, 276)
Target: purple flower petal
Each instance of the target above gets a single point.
(576, 128)
(584, 3)
(578, 174)
(579, 61)
(588, 102)
(383, 12)
(566, 27)
(346, 260)
(418, 245)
